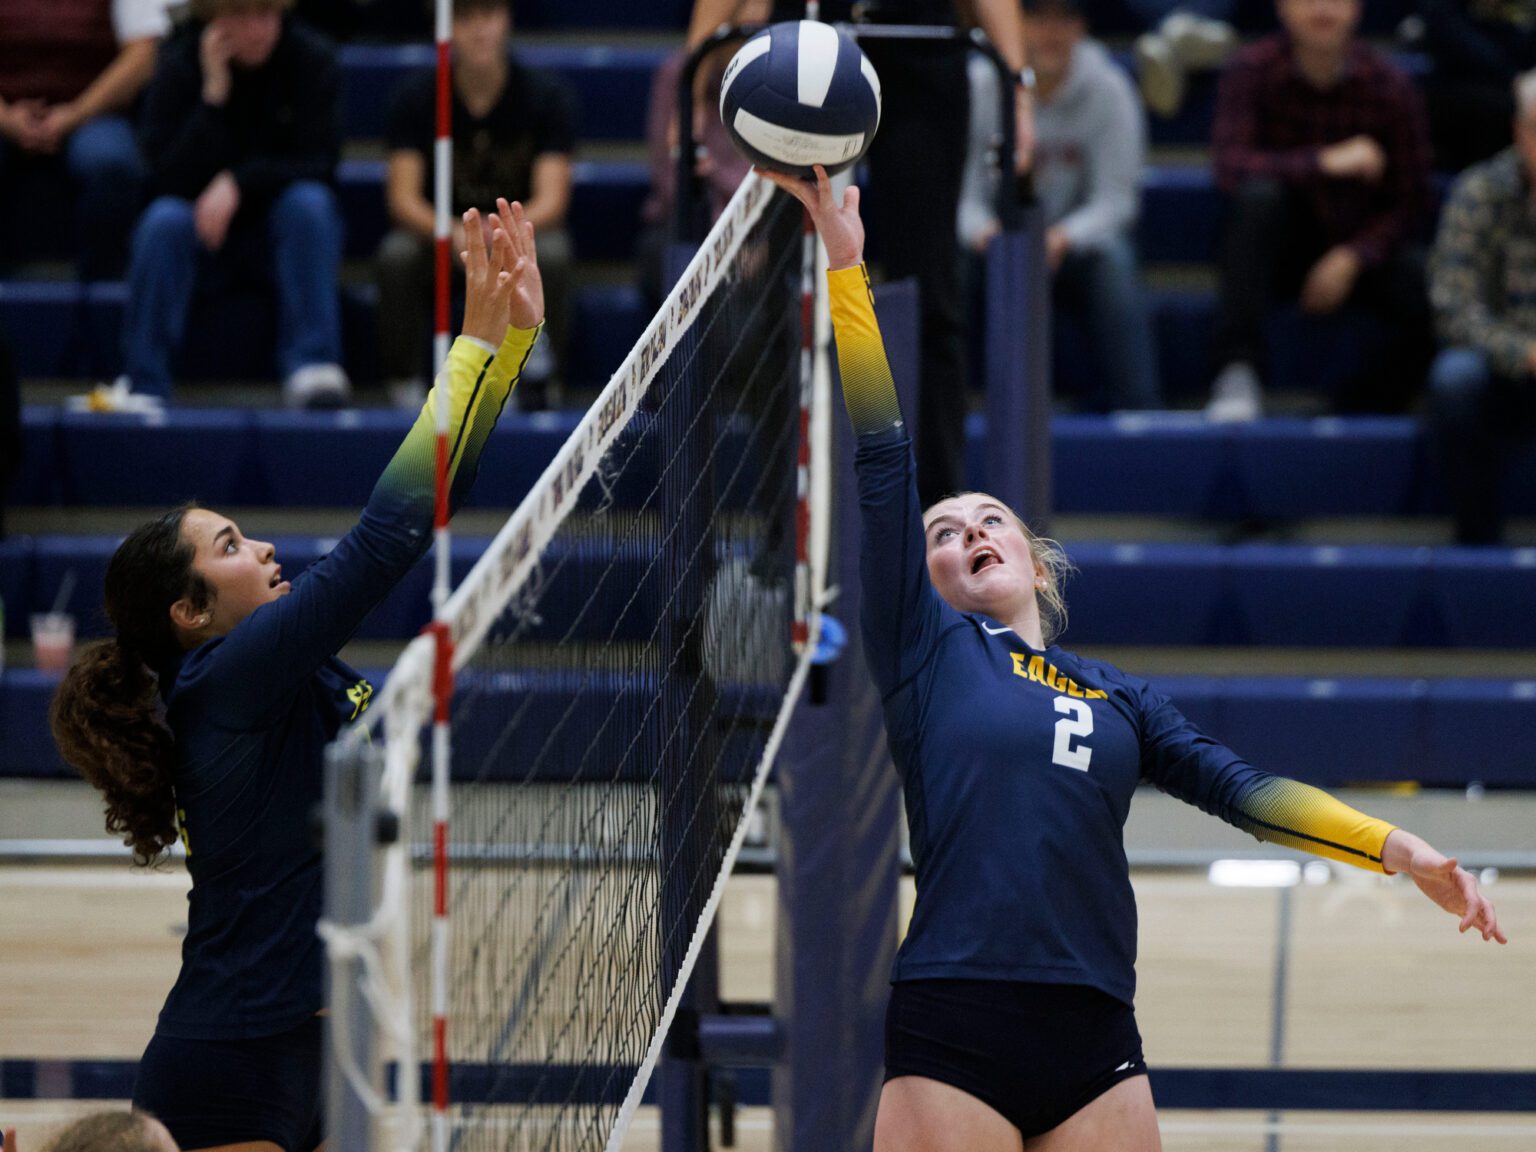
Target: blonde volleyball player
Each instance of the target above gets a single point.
(1010, 1024)
(209, 711)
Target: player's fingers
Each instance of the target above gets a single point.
(474, 255)
(824, 188)
(796, 188)
(851, 198)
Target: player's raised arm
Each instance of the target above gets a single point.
(901, 611)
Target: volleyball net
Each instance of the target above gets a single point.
(624, 658)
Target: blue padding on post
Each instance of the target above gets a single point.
(1486, 596)
(163, 459)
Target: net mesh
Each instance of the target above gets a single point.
(608, 726)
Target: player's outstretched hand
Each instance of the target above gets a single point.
(487, 281)
(841, 229)
(525, 303)
(1438, 877)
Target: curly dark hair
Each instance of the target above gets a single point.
(106, 715)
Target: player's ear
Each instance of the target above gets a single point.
(187, 616)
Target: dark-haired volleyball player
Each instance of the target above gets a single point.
(210, 709)
(1010, 1022)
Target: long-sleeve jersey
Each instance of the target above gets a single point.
(253, 710)
(1018, 764)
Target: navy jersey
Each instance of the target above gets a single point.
(253, 710)
(1018, 765)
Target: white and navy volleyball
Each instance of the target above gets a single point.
(801, 93)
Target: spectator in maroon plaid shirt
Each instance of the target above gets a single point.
(1322, 153)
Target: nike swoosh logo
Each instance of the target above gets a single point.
(1124, 1066)
(990, 631)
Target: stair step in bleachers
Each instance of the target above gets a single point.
(1271, 595)
(1331, 733)
(1166, 465)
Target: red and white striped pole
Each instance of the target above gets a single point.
(442, 681)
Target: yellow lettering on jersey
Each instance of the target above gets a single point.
(181, 827)
(1035, 669)
(360, 693)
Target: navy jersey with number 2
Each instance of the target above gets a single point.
(1018, 765)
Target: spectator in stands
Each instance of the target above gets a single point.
(1090, 145)
(719, 165)
(1482, 386)
(241, 133)
(10, 429)
(514, 130)
(915, 167)
(1476, 48)
(70, 73)
(112, 1132)
(1322, 153)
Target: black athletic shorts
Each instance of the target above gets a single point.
(1037, 1053)
(213, 1092)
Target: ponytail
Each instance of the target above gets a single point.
(106, 715)
(106, 723)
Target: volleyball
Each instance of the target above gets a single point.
(798, 94)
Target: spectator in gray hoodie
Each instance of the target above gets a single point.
(1090, 146)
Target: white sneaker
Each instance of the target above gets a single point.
(1159, 73)
(1236, 395)
(318, 386)
(1197, 41)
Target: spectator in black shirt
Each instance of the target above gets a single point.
(513, 135)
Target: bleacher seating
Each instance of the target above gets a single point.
(1329, 732)
(1166, 465)
(1250, 595)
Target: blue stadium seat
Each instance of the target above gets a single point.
(1180, 214)
(612, 83)
(606, 199)
(1160, 464)
(1480, 729)
(1143, 464)
(1326, 732)
(16, 565)
(1364, 466)
(116, 459)
(1485, 596)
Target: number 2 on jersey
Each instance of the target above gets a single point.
(1079, 723)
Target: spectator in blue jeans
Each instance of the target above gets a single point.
(241, 133)
(1090, 146)
(70, 72)
(1482, 385)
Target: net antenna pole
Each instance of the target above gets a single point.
(442, 680)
